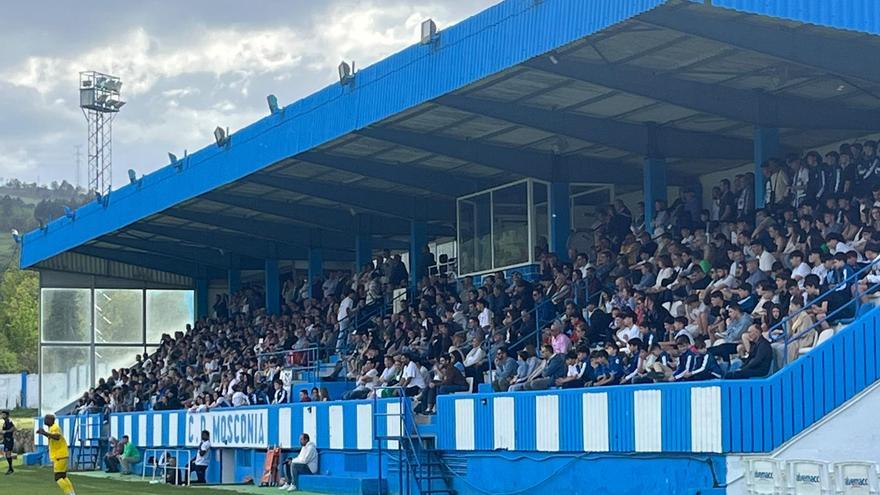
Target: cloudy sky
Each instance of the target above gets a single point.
(186, 66)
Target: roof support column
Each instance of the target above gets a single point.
(202, 296)
(418, 239)
(316, 270)
(273, 287)
(766, 146)
(654, 173)
(233, 275)
(560, 219)
(363, 251)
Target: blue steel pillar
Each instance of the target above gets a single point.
(560, 219)
(418, 238)
(233, 275)
(654, 187)
(363, 251)
(766, 146)
(273, 288)
(316, 268)
(202, 297)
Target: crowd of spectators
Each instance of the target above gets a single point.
(697, 294)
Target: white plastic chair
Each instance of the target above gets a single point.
(808, 477)
(765, 476)
(855, 478)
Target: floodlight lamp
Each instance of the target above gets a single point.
(346, 72)
(172, 158)
(221, 136)
(429, 31)
(100, 81)
(69, 213)
(102, 99)
(16, 237)
(272, 100)
(132, 176)
(115, 104)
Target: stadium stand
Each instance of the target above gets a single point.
(704, 296)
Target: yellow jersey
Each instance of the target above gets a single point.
(57, 448)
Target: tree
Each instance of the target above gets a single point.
(18, 320)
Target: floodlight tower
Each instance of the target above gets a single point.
(100, 102)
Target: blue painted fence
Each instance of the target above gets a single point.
(706, 417)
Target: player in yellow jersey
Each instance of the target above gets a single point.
(58, 453)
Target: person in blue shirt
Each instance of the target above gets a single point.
(705, 366)
(634, 366)
(607, 372)
(840, 282)
(685, 358)
(747, 298)
(613, 355)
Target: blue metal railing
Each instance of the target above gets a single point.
(782, 328)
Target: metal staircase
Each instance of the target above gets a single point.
(420, 467)
(86, 442)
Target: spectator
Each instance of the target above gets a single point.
(758, 358)
(200, 464)
(130, 455)
(111, 458)
(306, 462)
(505, 370)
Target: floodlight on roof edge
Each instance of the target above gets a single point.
(346, 73)
(221, 136)
(69, 213)
(272, 101)
(429, 32)
(16, 237)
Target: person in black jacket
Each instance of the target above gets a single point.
(759, 359)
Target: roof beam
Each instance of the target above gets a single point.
(408, 175)
(516, 161)
(189, 254)
(239, 244)
(392, 204)
(321, 217)
(755, 107)
(523, 162)
(146, 260)
(274, 232)
(647, 140)
(842, 56)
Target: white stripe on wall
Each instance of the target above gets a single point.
(365, 426)
(649, 420)
(337, 428)
(595, 416)
(126, 427)
(503, 423)
(547, 422)
(114, 427)
(392, 422)
(706, 419)
(284, 427)
(310, 422)
(157, 430)
(464, 424)
(142, 430)
(68, 431)
(173, 419)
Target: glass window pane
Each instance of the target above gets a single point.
(511, 228)
(65, 315)
(587, 201)
(168, 311)
(65, 374)
(466, 244)
(541, 224)
(108, 359)
(119, 316)
(483, 233)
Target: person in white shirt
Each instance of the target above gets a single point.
(765, 259)
(199, 465)
(305, 462)
(344, 318)
(239, 398)
(799, 269)
(411, 380)
(485, 316)
(366, 382)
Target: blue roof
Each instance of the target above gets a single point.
(486, 44)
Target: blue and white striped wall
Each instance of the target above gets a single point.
(74, 436)
(671, 418)
(331, 425)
